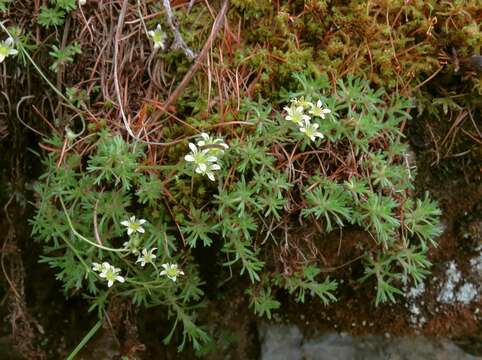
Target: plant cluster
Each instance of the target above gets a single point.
(246, 164)
(350, 171)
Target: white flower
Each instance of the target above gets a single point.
(213, 146)
(305, 104)
(202, 160)
(318, 110)
(82, 2)
(6, 48)
(97, 267)
(296, 115)
(208, 171)
(111, 274)
(171, 271)
(133, 225)
(158, 37)
(310, 130)
(131, 246)
(147, 257)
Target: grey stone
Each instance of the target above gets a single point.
(280, 342)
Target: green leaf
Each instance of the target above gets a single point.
(303, 282)
(49, 17)
(66, 5)
(199, 228)
(329, 201)
(262, 301)
(422, 219)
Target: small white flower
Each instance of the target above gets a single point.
(111, 274)
(319, 110)
(134, 225)
(97, 267)
(214, 146)
(171, 271)
(7, 49)
(131, 246)
(305, 104)
(204, 163)
(310, 130)
(296, 115)
(82, 2)
(208, 171)
(147, 257)
(158, 37)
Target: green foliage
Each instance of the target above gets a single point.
(239, 198)
(23, 43)
(4, 4)
(262, 301)
(64, 56)
(115, 161)
(329, 200)
(421, 219)
(274, 181)
(380, 268)
(66, 5)
(79, 221)
(199, 228)
(377, 212)
(305, 282)
(78, 97)
(51, 17)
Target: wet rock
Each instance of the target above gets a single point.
(280, 342)
(286, 342)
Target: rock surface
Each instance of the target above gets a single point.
(285, 342)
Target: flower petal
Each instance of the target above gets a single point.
(192, 147)
(189, 158)
(202, 166)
